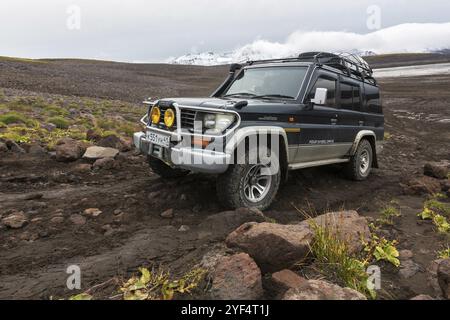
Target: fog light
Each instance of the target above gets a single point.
(155, 115)
(169, 118)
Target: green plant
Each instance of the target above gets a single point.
(14, 117)
(388, 214)
(432, 211)
(444, 253)
(438, 207)
(81, 296)
(157, 284)
(382, 249)
(333, 258)
(387, 136)
(59, 122)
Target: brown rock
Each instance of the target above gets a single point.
(237, 277)
(422, 297)
(438, 170)
(322, 290)
(78, 219)
(443, 276)
(57, 220)
(105, 163)
(168, 214)
(68, 150)
(93, 212)
(273, 246)
(347, 226)
(82, 168)
(422, 186)
(112, 141)
(93, 135)
(94, 153)
(282, 281)
(15, 220)
(3, 147)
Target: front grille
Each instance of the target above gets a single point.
(188, 118)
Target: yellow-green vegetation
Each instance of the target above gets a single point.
(436, 211)
(388, 213)
(59, 122)
(445, 253)
(381, 249)
(157, 284)
(16, 118)
(335, 260)
(81, 296)
(387, 136)
(22, 118)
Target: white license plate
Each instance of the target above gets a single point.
(158, 139)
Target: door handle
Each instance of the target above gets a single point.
(334, 121)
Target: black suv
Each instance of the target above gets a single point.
(267, 118)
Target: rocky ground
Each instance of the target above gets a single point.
(109, 214)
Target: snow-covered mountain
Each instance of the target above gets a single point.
(403, 38)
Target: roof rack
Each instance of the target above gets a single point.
(349, 63)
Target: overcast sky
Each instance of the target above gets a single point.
(143, 30)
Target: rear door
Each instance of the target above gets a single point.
(351, 116)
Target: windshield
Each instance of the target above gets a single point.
(276, 82)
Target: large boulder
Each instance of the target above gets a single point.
(95, 153)
(347, 226)
(273, 246)
(113, 141)
(322, 290)
(439, 170)
(422, 186)
(443, 276)
(236, 277)
(68, 150)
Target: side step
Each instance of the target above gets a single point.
(303, 165)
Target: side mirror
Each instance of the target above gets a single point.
(320, 97)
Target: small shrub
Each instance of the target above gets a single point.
(387, 136)
(157, 284)
(388, 214)
(435, 211)
(13, 117)
(54, 110)
(444, 254)
(59, 122)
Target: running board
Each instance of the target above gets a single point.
(303, 165)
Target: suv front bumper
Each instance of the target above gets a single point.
(197, 160)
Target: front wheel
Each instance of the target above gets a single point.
(360, 164)
(248, 185)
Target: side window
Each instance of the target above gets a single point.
(350, 97)
(346, 96)
(326, 83)
(357, 98)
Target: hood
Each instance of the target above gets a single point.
(225, 103)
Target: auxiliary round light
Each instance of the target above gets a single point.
(169, 118)
(155, 115)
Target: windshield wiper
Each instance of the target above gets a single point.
(269, 96)
(240, 94)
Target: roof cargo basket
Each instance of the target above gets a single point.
(349, 62)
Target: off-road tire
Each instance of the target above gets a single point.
(230, 188)
(165, 171)
(354, 169)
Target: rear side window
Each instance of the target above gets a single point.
(372, 99)
(350, 97)
(326, 83)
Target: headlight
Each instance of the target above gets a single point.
(217, 123)
(155, 115)
(169, 118)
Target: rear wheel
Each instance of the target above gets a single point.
(165, 171)
(360, 164)
(249, 185)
